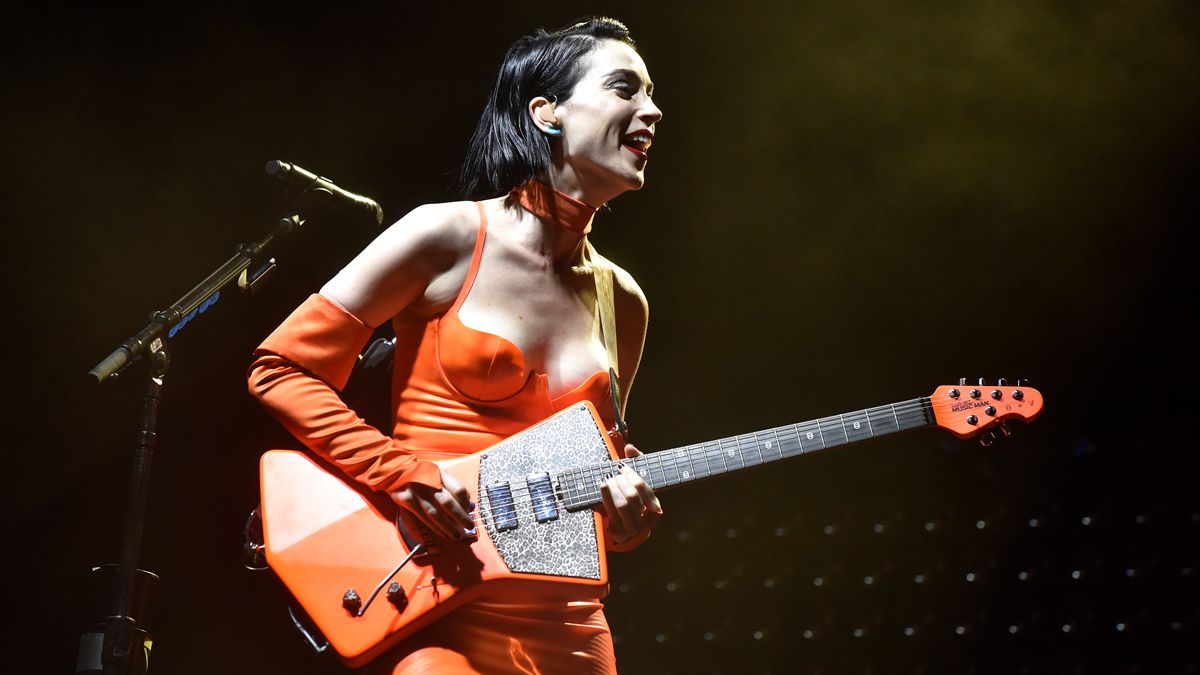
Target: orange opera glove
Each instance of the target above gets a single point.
(297, 374)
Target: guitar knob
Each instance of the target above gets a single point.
(975, 393)
(972, 420)
(990, 410)
(1018, 394)
(397, 596)
(996, 394)
(350, 601)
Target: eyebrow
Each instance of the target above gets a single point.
(631, 74)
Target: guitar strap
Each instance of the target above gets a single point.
(602, 272)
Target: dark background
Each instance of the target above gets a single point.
(846, 206)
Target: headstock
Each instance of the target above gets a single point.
(968, 409)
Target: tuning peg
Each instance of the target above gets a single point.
(987, 439)
(982, 381)
(962, 381)
(1001, 382)
(1005, 430)
(1022, 382)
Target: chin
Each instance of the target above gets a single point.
(636, 181)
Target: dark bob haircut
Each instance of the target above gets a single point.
(507, 149)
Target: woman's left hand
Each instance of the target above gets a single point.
(630, 507)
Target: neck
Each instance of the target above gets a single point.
(566, 220)
(555, 207)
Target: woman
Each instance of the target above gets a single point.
(497, 313)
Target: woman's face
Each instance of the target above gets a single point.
(608, 123)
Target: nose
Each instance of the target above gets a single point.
(650, 112)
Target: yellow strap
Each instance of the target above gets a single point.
(605, 302)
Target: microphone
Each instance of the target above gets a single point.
(324, 190)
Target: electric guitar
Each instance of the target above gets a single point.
(336, 545)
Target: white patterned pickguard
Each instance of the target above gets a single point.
(566, 546)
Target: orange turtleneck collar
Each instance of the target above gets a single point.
(552, 206)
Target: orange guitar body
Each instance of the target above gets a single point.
(324, 536)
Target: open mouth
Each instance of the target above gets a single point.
(638, 142)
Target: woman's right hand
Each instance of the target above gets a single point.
(445, 511)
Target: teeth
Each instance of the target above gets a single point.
(640, 140)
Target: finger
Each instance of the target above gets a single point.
(433, 517)
(461, 497)
(433, 509)
(631, 451)
(649, 498)
(614, 504)
(452, 513)
(631, 512)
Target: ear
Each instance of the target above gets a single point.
(541, 111)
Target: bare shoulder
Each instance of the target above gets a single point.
(394, 270)
(629, 296)
(445, 228)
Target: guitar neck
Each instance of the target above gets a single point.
(580, 488)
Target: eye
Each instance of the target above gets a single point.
(623, 87)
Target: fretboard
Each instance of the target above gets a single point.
(580, 488)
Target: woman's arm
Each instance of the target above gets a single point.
(630, 507)
(301, 366)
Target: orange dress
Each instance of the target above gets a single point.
(456, 390)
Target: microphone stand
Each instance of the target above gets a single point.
(111, 651)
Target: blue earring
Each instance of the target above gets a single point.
(552, 131)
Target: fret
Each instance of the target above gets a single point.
(856, 431)
(791, 440)
(670, 468)
(833, 438)
(707, 466)
(764, 442)
(758, 449)
(799, 439)
(882, 422)
(688, 472)
(697, 454)
(730, 453)
(580, 487)
(676, 472)
(806, 434)
(724, 465)
(664, 473)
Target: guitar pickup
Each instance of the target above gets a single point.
(541, 494)
(500, 501)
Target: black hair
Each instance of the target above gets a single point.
(507, 149)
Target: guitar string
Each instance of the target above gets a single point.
(666, 463)
(912, 411)
(708, 452)
(705, 451)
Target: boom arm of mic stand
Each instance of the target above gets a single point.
(163, 320)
